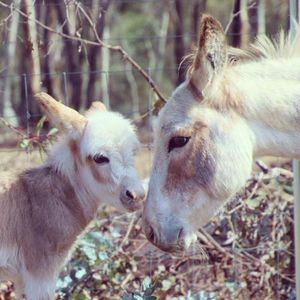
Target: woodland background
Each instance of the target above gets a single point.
(157, 34)
(51, 45)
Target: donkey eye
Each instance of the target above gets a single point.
(177, 142)
(101, 159)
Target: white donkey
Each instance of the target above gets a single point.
(45, 209)
(213, 126)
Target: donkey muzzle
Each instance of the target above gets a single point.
(169, 237)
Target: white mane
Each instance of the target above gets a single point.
(282, 45)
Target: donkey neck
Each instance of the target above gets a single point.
(52, 197)
(269, 100)
(274, 142)
(267, 91)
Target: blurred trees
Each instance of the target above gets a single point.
(157, 34)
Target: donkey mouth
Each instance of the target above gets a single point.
(187, 246)
(196, 249)
(181, 251)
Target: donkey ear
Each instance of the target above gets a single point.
(96, 106)
(60, 116)
(211, 56)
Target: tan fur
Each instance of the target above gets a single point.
(42, 216)
(98, 177)
(76, 154)
(210, 58)
(189, 178)
(229, 99)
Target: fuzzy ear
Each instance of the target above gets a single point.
(211, 57)
(60, 116)
(96, 106)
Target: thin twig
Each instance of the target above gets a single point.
(133, 221)
(270, 268)
(123, 53)
(5, 20)
(38, 139)
(233, 15)
(211, 242)
(13, 128)
(99, 43)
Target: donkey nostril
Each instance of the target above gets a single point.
(150, 234)
(129, 195)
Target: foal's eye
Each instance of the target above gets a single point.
(177, 142)
(101, 159)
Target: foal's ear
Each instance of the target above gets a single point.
(211, 56)
(96, 106)
(60, 116)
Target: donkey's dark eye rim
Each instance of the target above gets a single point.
(177, 142)
(101, 159)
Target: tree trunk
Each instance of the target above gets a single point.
(53, 58)
(35, 67)
(31, 68)
(236, 24)
(135, 112)
(245, 26)
(261, 19)
(7, 109)
(105, 67)
(95, 52)
(47, 82)
(258, 18)
(199, 6)
(72, 62)
(179, 48)
(162, 45)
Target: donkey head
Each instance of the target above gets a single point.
(96, 153)
(203, 154)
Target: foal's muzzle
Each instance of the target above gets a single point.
(132, 197)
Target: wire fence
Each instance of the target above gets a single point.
(65, 78)
(133, 111)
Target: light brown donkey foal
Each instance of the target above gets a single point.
(45, 209)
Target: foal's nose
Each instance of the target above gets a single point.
(169, 238)
(131, 198)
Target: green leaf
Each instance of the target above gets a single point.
(166, 284)
(254, 202)
(40, 125)
(52, 131)
(147, 283)
(25, 144)
(288, 189)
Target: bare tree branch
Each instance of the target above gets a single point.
(99, 43)
(13, 128)
(233, 15)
